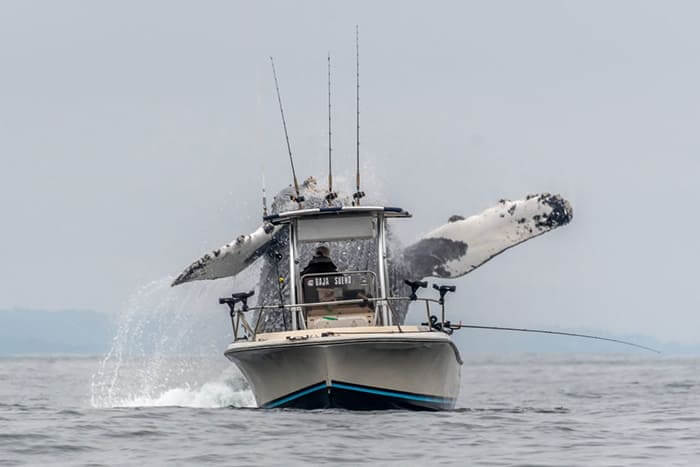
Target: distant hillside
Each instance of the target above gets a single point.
(57, 332)
(88, 332)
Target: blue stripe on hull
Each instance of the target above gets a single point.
(382, 392)
(356, 397)
(293, 396)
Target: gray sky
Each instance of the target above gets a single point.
(133, 136)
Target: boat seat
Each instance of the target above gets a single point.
(326, 295)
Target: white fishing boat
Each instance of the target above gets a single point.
(335, 337)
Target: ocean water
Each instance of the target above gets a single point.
(513, 410)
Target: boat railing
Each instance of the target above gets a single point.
(243, 330)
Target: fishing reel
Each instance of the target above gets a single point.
(236, 298)
(331, 196)
(415, 285)
(357, 196)
(444, 326)
(447, 327)
(297, 199)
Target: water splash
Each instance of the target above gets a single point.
(229, 390)
(169, 341)
(168, 348)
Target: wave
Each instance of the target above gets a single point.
(215, 394)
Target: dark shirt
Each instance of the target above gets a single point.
(318, 265)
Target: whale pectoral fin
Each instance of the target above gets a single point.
(462, 245)
(231, 258)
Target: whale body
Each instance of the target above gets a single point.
(449, 251)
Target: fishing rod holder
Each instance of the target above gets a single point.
(415, 285)
(237, 316)
(433, 323)
(236, 298)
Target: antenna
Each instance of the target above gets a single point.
(296, 198)
(331, 194)
(358, 194)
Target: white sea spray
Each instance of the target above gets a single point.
(167, 349)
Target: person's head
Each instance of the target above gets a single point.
(322, 251)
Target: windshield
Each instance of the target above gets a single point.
(335, 286)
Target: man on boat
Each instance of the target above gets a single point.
(320, 263)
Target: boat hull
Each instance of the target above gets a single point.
(340, 395)
(416, 371)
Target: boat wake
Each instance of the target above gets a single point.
(167, 350)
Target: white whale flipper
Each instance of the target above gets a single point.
(231, 258)
(463, 245)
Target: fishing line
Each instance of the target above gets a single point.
(560, 333)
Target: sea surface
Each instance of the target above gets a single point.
(522, 409)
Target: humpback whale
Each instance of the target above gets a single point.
(450, 251)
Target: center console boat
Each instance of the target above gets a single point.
(342, 347)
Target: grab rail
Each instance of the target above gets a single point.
(238, 318)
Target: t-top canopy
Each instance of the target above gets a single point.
(285, 217)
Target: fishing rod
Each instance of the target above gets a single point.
(331, 194)
(559, 333)
(298, 198)
(264, 196)
(358, 194)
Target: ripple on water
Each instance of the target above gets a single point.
(681, 385)
(582, 394)
(505, 418)
(136, 434)
(70, 412)
(23, 437)
(512, 410)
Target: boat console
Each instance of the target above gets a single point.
(331, 287)
(341, 299)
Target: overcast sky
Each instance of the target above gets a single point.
(133, 136)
